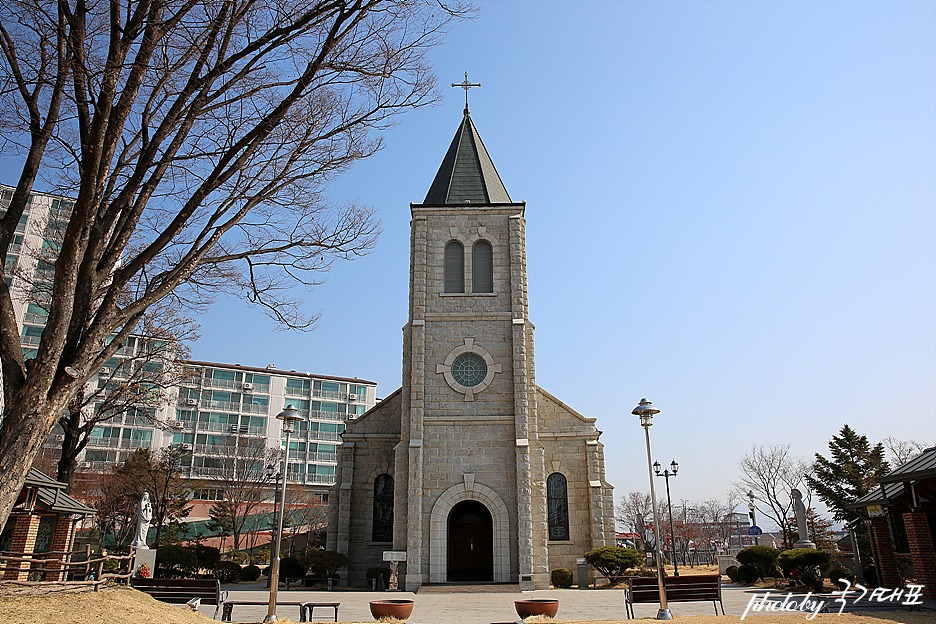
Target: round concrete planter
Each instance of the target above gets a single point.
(526, 608)
(400, 609)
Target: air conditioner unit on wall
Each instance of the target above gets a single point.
(177, 424)
(191, 401)
(248, 387)
(352, 397)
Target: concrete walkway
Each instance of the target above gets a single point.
(474, 608)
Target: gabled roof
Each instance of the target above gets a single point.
(467, 174)
(51, 496)
(922, 466)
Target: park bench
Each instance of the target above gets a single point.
(182, 590)
(304, 607)
(692, 588)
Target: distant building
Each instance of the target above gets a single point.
(215, 405)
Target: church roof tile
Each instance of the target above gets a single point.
(467, 174)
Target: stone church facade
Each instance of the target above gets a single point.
(474, 471)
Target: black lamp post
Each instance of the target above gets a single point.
(666, 474)
(271, 473)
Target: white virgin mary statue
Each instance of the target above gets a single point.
(144, 517)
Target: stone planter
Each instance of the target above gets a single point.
(526, 608)
(400, 609)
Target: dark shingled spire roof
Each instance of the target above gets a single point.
(467, 174)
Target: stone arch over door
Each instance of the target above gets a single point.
(438, 529)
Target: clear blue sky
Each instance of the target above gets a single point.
(731, 210)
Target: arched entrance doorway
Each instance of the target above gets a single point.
(470, 543)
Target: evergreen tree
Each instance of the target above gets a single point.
(848, 474)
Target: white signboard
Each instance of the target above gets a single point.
(394, 555)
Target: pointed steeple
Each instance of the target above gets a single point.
(467, 174)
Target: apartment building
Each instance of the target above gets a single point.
(211, 407)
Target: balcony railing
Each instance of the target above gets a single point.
(323, 457)
(299, 392)
(324, 435)
(320, 415)
(221, 383)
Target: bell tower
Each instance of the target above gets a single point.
(469, 398)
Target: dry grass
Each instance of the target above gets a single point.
(121, 605)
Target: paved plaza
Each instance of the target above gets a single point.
(473, 608)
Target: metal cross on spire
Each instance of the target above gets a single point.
(466, 85)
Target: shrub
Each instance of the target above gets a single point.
(208, 556)
(237, 556)
(732, 572)
(227, 572)
(290, 567)
(174, 561)
(747, 574)
(802, 559)
(376, 572)
(561, 578)
(836, 575)
(614, 561)
(324, 563)
(811, 580)
(762, 558)
(250, 573)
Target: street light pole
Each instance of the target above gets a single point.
(667, 474)
(271, 469)
(289, 416)
(646, 411)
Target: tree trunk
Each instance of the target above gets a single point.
(20, 441)
(71, 448)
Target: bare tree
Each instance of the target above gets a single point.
(136, 383)
(196, 138)
(902, 451)
(771, 473)
(238, 472)
(635, 512)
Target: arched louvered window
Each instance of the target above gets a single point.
(482, 267)
(454, 267)
(383, 509)
(557, 506)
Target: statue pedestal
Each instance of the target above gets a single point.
(147, 556)
(804, 544)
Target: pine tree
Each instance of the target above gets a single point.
(848, 474)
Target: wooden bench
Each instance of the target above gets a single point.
(228, 610)
(182, 590)
(306, 608)
(692, 588)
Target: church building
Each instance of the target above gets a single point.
(473, 470)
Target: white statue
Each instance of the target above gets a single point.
(144, 517)
(800, 509)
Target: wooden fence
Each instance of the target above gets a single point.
(77, 567)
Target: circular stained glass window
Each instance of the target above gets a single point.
(469, 369)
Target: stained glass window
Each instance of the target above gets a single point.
(557, 504)
(469, 369)
(383, 509)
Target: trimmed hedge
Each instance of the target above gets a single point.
(614, 561)
(762, 558)
(227, 572)
(250, 573)
(561, 578)
(802, 559)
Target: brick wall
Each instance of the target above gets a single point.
(921, 550)
(24, 541)
(62, 536)
(884, 550)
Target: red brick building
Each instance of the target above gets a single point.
(902, 521)
(42, 521)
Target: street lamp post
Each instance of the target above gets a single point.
(289, 416)
(751, 513)
(646, 411)
(666, 474)
(272, 471)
